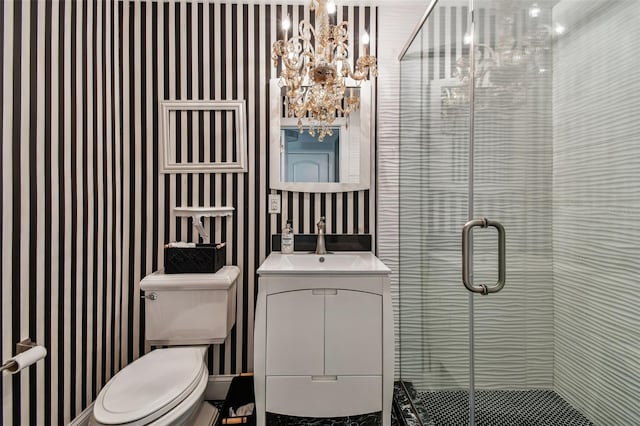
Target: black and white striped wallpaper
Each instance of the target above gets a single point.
(60, 257)
(85, 210)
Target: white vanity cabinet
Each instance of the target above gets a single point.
(326, 332)
(323, 338)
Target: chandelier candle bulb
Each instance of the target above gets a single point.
(286, 24)
(331, 10)
(331, 7)
(365, 43)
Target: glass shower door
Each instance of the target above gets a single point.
(511, 163)
(556, 160)
(525, 116)
(434, 194)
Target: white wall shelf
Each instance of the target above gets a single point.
(197, 213)
(184, 211)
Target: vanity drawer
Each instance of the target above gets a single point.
(323, 396)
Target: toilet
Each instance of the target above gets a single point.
(186, 313)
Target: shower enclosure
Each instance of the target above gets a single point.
(522, 117)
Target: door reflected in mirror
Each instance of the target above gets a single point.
(307, 159)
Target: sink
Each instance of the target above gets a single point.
(305, 262)
(311, 263)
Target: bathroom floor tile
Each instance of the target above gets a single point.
(499, 408)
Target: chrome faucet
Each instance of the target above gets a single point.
(320, 247)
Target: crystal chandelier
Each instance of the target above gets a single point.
(314, 75)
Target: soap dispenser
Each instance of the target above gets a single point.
(287, 238)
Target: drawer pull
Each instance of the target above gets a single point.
(324, 378)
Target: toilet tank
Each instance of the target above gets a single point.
(190, 309)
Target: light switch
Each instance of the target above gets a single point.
(274, 203)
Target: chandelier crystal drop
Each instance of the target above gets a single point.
(315, 68)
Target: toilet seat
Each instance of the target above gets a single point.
(151, 386)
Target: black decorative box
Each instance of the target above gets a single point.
(203, 258)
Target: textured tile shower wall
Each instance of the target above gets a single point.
(596, 206)
(395, 29)
(86, 213)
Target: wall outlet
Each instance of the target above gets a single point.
(274, 203)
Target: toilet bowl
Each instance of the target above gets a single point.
(185, 312)
(164, 387)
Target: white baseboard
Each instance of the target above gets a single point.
(217, 389)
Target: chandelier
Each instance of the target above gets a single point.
(315, 68)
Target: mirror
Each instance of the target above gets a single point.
(300, 162)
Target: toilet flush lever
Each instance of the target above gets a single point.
(150, 296)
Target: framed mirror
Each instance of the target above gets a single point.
(301, 162)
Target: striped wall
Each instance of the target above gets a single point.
(60, 215)
(85, 210)
(596, 199)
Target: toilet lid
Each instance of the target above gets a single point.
(150, 386)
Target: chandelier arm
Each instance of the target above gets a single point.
(292, 58)
(365, 66)
(342, 52)
(306, 30)
(290, 65)
(340, 32)
(357, 75)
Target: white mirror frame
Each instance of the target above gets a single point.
(168, 165)
(277, 123)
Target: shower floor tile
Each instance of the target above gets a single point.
(499, 408)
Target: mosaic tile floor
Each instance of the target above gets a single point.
(373, 419)
(366, 420)
(450, 408)
(499, 408)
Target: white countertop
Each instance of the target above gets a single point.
(343, 263)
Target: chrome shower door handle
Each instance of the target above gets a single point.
(466, 256)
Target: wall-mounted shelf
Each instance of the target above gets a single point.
(197, 213)
(203, 211)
